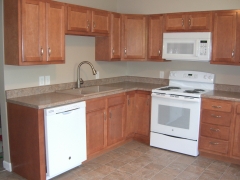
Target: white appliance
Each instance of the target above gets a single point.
(175, 112)
(187, 46)
(65, 137)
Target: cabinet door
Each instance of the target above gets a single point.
(115, 36)
(78, 19)
(175, 22)
(134, 37)
(155, 37)
(130, 118)
(224, 37)
(116, 119)
(236, 140)
(33, 32)
(201, 21)
(55, 32)
(142, 112)
(95, 122)
(100, 21)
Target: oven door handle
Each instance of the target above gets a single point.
(174, 98)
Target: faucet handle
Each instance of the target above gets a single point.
(81, 81)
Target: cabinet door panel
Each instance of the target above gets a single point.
(33, 31)
(224, 37)
(134, 37)
(55, 31)
(199, 21)
(130, 118)
(175, 22)
(78, 19)
(100, 22)
(155, 37)
(95, 131)
(116, 118)
(142, 113)
(236, 140)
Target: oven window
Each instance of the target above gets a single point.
(174, 116)
(180, 48)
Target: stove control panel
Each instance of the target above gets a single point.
(195, 76)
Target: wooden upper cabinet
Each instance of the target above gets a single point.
(86, 21)
(38, 30)
(225, 37)
(109, 48)
(134, 46)
(196, 21)
(155, 37)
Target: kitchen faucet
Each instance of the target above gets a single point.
(79, 80)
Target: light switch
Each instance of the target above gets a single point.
(41, 80)
(47, 80)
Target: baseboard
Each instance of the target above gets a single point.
(7, 166)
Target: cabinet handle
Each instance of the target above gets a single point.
(94, 25)
(113, 51)
(41, 51)
(189, 22)
(215, 116)
(214, 143)
(88, 25)
(217, 107)
(125, 51)
(216, 130)
(104, 115)
(159, 52)
(110, 115)
(49, 52)
(233, 53)
(182, 22)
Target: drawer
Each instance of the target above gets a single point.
(217, 105)
(94, 105)
(215, 131)
(216, 117)
(214, 145)
(115, 100)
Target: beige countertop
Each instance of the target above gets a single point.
(223, 95)
(47, 100)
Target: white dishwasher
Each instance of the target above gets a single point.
(65, 138)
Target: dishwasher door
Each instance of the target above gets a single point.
(65, 138)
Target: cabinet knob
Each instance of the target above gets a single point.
(233, 53)
(49, 52)
(182, 22)
(88, 25)
(41, 51)
(94, 25)
(113, 51)
(159, 52)
(215, 116)
(125, 50)
(189, 22)
(213, 143)
(217, 107)
(215, 130)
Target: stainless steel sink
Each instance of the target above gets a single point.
(91, 90)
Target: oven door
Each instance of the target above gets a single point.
(175, 116)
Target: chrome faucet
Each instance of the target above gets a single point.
(79, 80)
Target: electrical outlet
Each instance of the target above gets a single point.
(161, 74)
(97, 75)
(47, 80)
(41, 80)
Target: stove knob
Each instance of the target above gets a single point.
(205, 76)
(210, 77)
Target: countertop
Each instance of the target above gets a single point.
(53, 99)
(47, 100)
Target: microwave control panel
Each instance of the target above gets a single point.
(203, 47)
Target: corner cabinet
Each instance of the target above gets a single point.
(86, 21)
(226, 41)
(109, 48)
(134, 34)
(199, 21)
(34, 31)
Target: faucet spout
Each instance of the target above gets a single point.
(79, 80)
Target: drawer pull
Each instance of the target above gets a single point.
(214, 143)
(215, 116)
(217, 107)
(216, 130)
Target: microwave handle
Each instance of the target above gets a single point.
(197, 48)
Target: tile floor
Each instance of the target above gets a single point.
(136, 161)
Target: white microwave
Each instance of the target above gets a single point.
(187, 46)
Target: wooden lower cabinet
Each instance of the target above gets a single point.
(236, 136)
(130, 115)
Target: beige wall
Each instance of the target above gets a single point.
(224, 74)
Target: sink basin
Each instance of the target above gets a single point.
(91, 90)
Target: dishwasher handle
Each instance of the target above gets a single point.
(67, 112)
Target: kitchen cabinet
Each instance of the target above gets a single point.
(155, 37)
(195, 21)
(130, 115)
(142, 116)
(216, 127)
(109, 48)
(134, 37)
(236, 136)
(86, 21)
(226, 43)
(34, 32)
